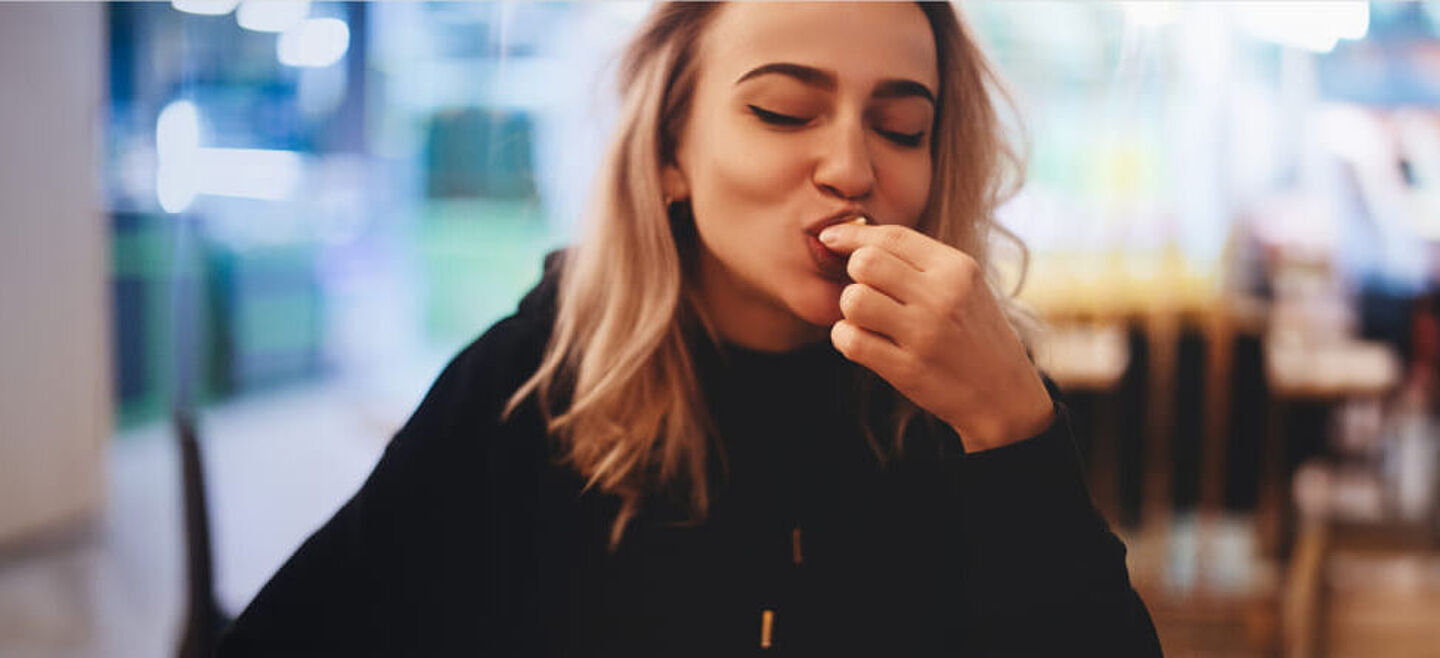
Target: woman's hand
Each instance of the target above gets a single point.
(920, 315)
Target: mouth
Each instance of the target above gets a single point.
(847, 215)
(831, 264)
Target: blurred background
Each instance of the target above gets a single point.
(285, 217)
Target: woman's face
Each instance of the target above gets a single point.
(801, 111)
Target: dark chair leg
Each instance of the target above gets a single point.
(204, 620)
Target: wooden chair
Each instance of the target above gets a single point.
(1210, 591)
(1174, 553)
(1370, 618)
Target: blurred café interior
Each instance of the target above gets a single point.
(284, 217)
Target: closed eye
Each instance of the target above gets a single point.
(775, 118)
(903, 139)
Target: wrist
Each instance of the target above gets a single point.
(987, 432)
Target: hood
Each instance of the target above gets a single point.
(539, 303)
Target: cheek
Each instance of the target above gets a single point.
(740, 181)
(907, 185)
(749, 167)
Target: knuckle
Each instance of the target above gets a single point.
(849, 298)
(843, 335)
(855, 347)
(951, 295)
(966, 270)
(893, 235)
(858, 350)
(862, 262)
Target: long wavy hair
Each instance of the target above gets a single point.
(617, 384)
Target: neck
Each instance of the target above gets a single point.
(744, 316)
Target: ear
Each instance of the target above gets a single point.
(677, 186)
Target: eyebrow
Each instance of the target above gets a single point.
(822, 79)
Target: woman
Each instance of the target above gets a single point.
(768, 404)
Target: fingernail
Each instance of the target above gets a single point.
(830, 235)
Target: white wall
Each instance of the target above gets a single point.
(55, 374)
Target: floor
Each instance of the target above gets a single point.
(1381, 603)
(277, 465)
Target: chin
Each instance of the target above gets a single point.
(817, 301)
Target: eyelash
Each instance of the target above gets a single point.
(774, 118)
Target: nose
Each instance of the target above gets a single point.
(845, 169)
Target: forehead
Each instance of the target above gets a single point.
(859, 41)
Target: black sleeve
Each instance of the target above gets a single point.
(403, 562)
(1042, 573)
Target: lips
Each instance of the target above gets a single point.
(846, 215)
(830, 264)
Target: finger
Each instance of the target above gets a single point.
(919, 250)
(873, 351)
(887, 273)
(874, 311)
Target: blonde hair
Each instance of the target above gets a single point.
(617, 384)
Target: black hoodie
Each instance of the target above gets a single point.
(469, 540)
